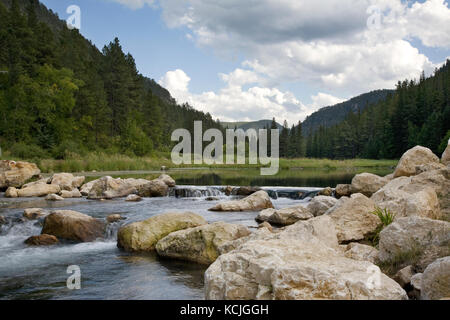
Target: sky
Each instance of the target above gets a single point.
(245, 60)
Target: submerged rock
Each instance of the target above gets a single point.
(143, 235)
(412, 158)
(74, 226)
(42, 240)
(200, 244)
(15, 174)
(257, 201)
(114, 218)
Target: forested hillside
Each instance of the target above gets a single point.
(261, 124)
(332, 115)
(418, 113)
(60, 95)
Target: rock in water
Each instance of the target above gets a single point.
(321, 204)
(42, 240)
(265, 214)
(435, 283)
(422, 239)
(353, 218)
(53, 197)
(34, 213)
(167, 180)
(142, 236)
(258, 201)
(11, 192)
(199, 244)
(114, 218)
(109, 188)
(412, 158)
(74, 226)
(343, 190)
(154, 188)
(39, 190)
(367, 184)
(75, 193)
(133, 198)
(288, 216)
(67, 181)
(15, 174)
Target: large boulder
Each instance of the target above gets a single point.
(446, 155)
(200, 244)
(257, 201)
(67, 181)
(74, 226)
(39, 190)
(288, 216)
(142, 236)
(353, 218)
(405, 199)
(154, 188)
(15, 174)
(367, 183)
(168, 180)
(321, 204)
(436, 280)
(417, 241)
(109, 188)
(295, 264)
(412, 158)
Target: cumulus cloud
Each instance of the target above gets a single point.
(232, 102)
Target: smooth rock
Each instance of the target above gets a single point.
(109, 188)
(154, 188)
(288, 216)
(264, 215)
(258, 201)
(42, 240)
(200, 244)
(353, 218)
(343, 190)
(67, 181)
(142, 236)
(53, 197)
(74, 226)
(39, 190)
(11, 192)
(436, 280)
(15, 174)
(168, 180)
(367, 184)
(321, 204)
(412, 158)
(133, 198)
(34, 213)
(75, 193)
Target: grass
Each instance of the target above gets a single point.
(99, 161)
(386, 217)
(400, 260)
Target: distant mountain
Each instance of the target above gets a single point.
(261, 124)
(333, 115)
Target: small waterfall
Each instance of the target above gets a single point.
(195, 192)
(291, 193)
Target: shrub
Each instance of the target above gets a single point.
(25, 151)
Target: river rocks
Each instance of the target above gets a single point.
(421, 240)
(74, 226)
(353, 218)
(264, 215)
(39, 190)
(133, 198)
(328, 192)
(114, 218)
(199, 244)
(11, 192)
(414, 157)
(154, 188)
(67, 181)
(53, 197)
(343, 190)
(34, 213)
(86, 188)
(258, 201)
(435, 284)
(142, 236)
(168, 180)
(403, 276)
(303, 269)
(75, 193)
(288, 216)
(367, 184)
(42, 240)
(361, 252)
(246, 191)
(109, 188)
(15, 174)
(404, 198)
(321, 204)
(446, 155)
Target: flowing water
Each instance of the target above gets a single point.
(109, 273)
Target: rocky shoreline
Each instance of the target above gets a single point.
(334, 247)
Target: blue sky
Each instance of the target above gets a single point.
(248, 59)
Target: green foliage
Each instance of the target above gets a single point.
(401, 259)
(444, 143)
(386, 217)
(26, 151)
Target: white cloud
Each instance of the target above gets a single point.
(135, 4)
(232, 102)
